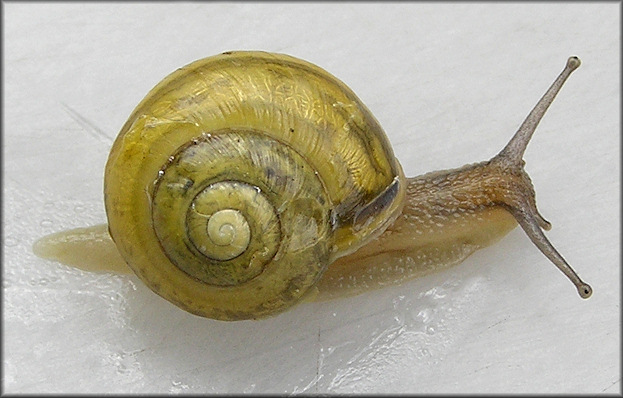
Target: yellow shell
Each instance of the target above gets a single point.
(240, 177)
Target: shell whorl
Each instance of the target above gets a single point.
(249, 173)
(228, 234)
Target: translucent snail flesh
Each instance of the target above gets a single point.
(246, 181)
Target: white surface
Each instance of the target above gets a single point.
(450, 83)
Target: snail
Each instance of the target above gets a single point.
(246, 182)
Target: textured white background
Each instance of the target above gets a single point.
(450, 83)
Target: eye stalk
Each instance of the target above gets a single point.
(524, 208)
(514, 150)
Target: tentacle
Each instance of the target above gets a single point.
(521, 200)
(526, 218)
(514, 150)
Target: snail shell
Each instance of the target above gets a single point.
(240, 177)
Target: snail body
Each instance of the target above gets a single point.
(246, 181)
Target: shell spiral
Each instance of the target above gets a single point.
(240, 177)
